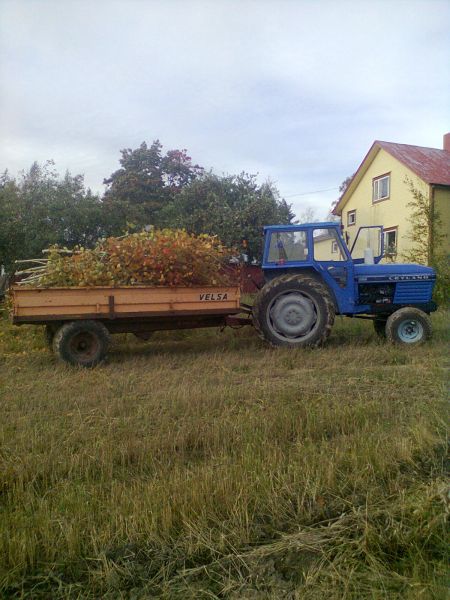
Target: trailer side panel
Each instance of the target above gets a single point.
(46, 304)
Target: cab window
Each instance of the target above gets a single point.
(327, 246)
(288, 246)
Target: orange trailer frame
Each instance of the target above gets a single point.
(44, 305)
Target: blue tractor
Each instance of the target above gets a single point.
(311, 275)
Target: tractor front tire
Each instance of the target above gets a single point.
(409, 326)
(82, 343)
(294, 311)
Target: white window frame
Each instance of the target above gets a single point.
(351, 213)
(334, 247)
(387, 231)
(377, 187)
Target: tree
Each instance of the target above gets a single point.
(12, 233)
(39, 209)
(145, 183)
(308, 215)
(233, 207)
(342, 189)
(344, 185)
(427, 236)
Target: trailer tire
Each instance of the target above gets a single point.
(379, 326)
(294, 311)
(409, 326)
(83, 343)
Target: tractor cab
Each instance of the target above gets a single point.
(320, 242)
(355, 282)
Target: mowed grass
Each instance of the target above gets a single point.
(207, 465)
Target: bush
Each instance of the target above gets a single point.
(441, 264)
(166, 257)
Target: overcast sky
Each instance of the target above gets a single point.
(295, 91)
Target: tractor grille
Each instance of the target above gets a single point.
(413, 292)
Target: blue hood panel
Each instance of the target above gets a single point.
(373, 273)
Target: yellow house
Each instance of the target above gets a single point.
(380, 191)
(325, 245)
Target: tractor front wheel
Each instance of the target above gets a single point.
(409, 326)
(294, 310)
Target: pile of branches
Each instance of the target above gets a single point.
(166, 257)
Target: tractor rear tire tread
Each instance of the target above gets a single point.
(310, 283)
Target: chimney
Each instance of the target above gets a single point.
(447, 142)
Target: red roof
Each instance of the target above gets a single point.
(430, 164)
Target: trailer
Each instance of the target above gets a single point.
(79, 321)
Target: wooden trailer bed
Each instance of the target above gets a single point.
(41, 305)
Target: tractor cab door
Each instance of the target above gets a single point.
(368, 246)
(333, 261)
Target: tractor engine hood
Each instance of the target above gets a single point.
(393, 273)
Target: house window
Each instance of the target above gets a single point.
(351, 217)
(390, 241)
(334, 248)
(381, 188)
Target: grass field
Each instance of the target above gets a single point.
(207, 465)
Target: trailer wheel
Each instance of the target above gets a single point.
(83, 343)
(294, 310)
(408, 326)
(380, 327)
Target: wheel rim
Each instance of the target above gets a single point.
(84, 345)
(410, 330)
(292, 315)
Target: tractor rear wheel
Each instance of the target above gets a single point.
(294, 310)
(82, 343)
(409, 326)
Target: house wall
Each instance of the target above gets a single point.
(392, 212)
(322, 249)
(442, 208)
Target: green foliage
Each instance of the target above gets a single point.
(441, 264)
(344, 185)
(427, 236)
(39, 209)
(233, 207)
(12, 230)
(169, 191)
(145, 183)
